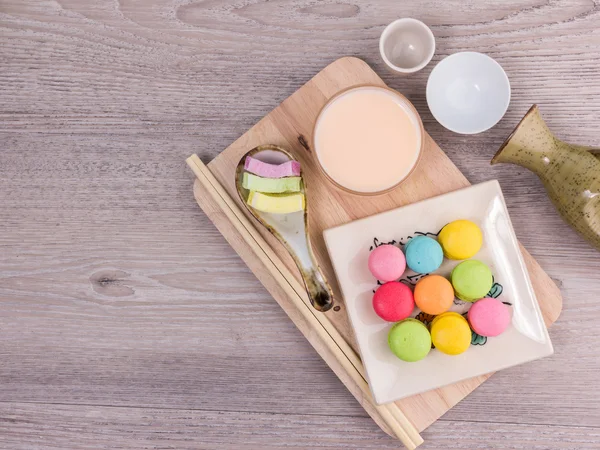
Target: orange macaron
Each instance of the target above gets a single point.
(434, 294)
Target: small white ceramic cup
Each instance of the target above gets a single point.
(407, 45)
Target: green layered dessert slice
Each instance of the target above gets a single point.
(271, 185)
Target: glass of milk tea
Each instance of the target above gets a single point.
(368, 139)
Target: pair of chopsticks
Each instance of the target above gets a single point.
(335, 343)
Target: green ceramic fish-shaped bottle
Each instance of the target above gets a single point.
(570, 173)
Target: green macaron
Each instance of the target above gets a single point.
(472, 280)
(409, 340)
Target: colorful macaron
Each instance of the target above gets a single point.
(450, 333)
(410, 340)
(471, 280)
(387, 263)
(393, 301)
(460, 239)
(423, 254)
(489, 317)
(434, 294)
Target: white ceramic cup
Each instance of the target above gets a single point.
(468, 92)
(407, 45)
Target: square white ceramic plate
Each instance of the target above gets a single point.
(390, 378)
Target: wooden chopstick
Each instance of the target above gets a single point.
(336, 344)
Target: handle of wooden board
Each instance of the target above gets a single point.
(336, 344)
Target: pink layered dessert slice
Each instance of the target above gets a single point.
(266, 170)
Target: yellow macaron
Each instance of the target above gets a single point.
(460, 239)
(450, 333)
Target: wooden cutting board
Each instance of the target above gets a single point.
(290, 126)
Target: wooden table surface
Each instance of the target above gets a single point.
(127, 321)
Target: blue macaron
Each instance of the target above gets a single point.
(423, 254)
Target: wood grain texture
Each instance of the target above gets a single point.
(292, 297)
(25, 425)
(120, 301)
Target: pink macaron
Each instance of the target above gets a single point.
(393, 301)
(387, 263)
(489, 317)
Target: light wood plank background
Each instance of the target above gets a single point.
(126, 321)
